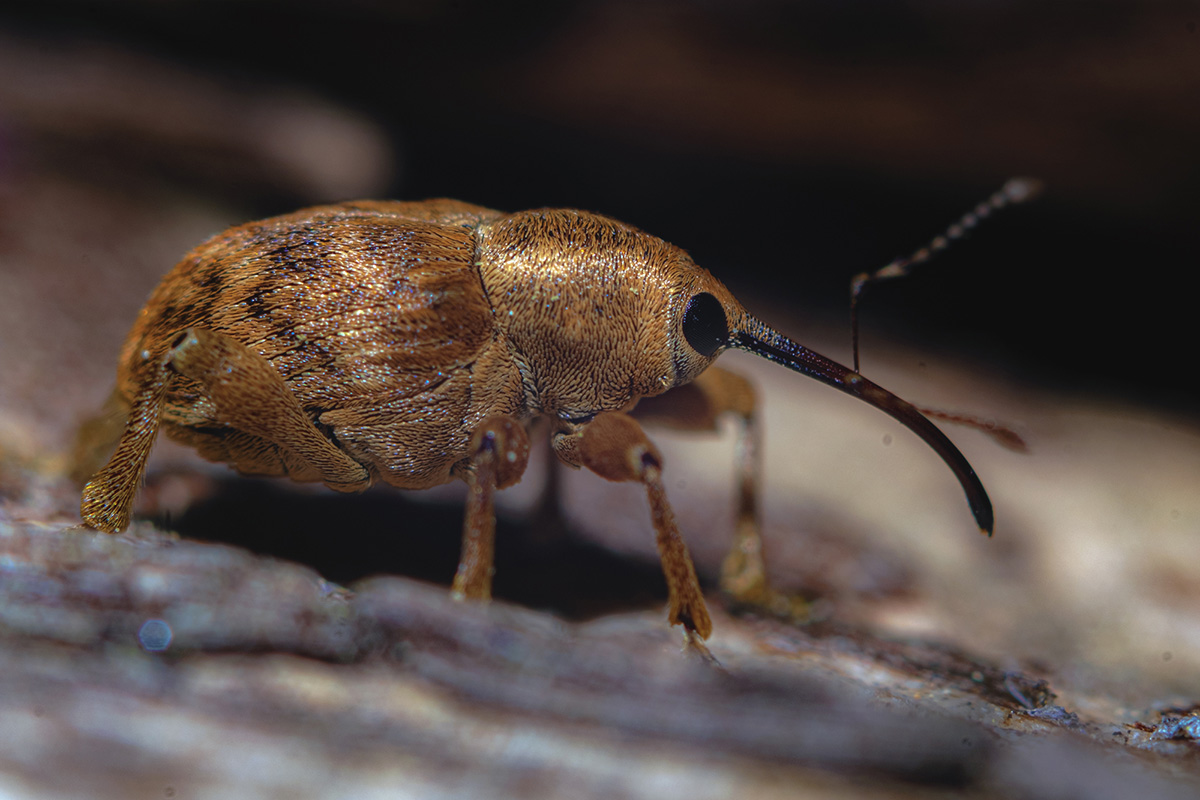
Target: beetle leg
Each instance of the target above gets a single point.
(499, 451)
(108, 496)
(696, 407)
(248, 394)
(614, 446)
(251, 396)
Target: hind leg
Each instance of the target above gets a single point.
(250, 396)
(247, 395)
(108, 496)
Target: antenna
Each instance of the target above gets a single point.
(1016, 190)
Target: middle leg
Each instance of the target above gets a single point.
(499, 451)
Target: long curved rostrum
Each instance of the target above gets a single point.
(756, 337)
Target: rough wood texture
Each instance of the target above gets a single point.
(274, 681)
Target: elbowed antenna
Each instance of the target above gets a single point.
(757, 338)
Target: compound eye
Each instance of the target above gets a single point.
(704, 324)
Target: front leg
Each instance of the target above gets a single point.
(697, 406)
(614, 446)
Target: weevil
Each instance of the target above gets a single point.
(414, 343)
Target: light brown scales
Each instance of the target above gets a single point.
(414, 342)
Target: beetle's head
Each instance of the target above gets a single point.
(602, 313)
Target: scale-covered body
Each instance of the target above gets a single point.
(396, 327)
(414, 343)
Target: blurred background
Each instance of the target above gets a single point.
(788, 146)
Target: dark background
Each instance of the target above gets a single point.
(786, 145)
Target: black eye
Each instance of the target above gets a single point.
(704, 324)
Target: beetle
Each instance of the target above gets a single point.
(414, 343)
